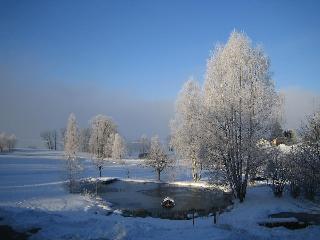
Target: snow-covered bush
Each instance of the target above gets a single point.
(302, 165)
(277, 170)
(307, 157)
(294, 171)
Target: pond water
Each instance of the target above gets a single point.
(144, 199)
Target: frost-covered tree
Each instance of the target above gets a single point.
(277, 169)
(62, 135)
(84, 139)
(55, 139)
(276, 130)
(144, 145)
(50, 139)
(7, 142)
(2, 142)
(119, 147)
(187, 127)
(11, 141)
(71, 138)
(294, 170)
(307, 157)
(108, 147)
(101, 139)
(157, 158)
(71, 147)
(241, 103)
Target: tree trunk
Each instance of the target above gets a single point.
(241, 191)
(196, 174)
(241, 195)
(158, 175)
(100, 169)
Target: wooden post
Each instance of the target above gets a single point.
(193, 218)
(215, 217)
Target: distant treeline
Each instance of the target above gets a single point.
(7, 142)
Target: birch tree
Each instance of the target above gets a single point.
(71, 138)
(119, 147)
(241, 103)
(186, 127)
(109, 146)
(84, 138)
(100, 143)
(71, 148)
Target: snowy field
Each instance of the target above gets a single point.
(33, 194)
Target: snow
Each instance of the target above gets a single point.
(285, 148)
(33, 194)
(280, 220)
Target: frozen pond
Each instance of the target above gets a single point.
(144, 199)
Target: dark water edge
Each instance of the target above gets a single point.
(8, 233)
(143, 199)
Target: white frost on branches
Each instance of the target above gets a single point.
(119, 147)
(186, 127)
(71, 148)
(157, 158)
(241, 103)
(71, 138)
(222, 125)
(7, 142)
(101, 139)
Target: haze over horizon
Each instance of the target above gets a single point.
(129, 59)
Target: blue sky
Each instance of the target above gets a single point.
(147, 49)
(151, 47)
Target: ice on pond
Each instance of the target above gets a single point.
(145, 198)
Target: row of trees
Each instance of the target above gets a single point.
(102, 141)
(226, 126)
(54, 139)
(50, 139)
(7, 142)
(219, 126)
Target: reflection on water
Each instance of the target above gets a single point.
(144, 199)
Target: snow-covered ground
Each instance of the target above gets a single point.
(33, 194)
